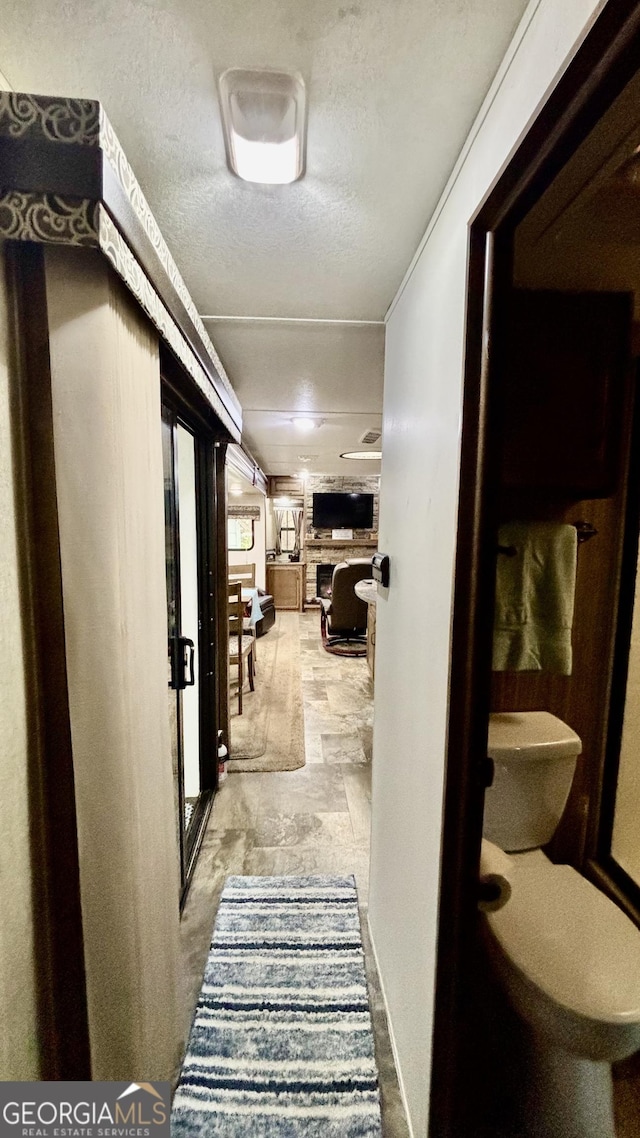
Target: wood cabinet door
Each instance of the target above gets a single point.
(285, 584)
(566, 364)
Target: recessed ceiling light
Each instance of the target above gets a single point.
(304, 423)
(263, 115)
(374, 455)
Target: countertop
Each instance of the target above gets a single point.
(367, 590)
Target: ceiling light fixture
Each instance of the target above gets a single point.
(264, 119)
(373, 455)
(305, 424)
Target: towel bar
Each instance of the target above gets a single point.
(584, 530)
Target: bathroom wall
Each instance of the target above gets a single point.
(418, 517)
(109, 482)
(580, 699)
(19, 1046)
(575, 260)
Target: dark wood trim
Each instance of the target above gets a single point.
(472, 637)
(600, 863)
(601, 66)
(219, 585)
(184, 396)
(56, 887)
(617, 884)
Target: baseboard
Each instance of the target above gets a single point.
(392, 1040)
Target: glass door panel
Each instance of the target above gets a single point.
(173, 615)
(189, 608)
(190, 623)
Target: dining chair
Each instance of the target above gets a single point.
(241, 643)
(246, 575)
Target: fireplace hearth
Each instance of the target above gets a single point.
(324, 573)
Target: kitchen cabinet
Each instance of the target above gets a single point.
(285, 582)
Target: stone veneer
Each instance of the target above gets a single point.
(321, 554)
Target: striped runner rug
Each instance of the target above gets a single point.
(281, 1044)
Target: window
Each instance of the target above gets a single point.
(287, 533)
(240, 534)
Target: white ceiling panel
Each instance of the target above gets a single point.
(279, 447)
(393, 87)
(303, 367)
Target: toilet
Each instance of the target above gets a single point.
(567, 958)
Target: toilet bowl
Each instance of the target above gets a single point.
(567, 958)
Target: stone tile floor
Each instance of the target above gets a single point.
(312, 820)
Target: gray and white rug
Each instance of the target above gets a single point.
(281, 1044)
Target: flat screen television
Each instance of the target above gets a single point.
(343, 511)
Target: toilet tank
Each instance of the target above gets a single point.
(534, 755)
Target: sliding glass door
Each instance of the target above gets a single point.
(189, 617)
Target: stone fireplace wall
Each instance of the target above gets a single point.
(325, 553)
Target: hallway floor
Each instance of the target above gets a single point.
(312, 820)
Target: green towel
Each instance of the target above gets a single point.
(535, 592)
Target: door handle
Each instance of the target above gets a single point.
(182, 657)
(188, 659)
(485, 772)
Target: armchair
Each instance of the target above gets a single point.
(343, 616)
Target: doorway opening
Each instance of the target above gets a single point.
(507, 258)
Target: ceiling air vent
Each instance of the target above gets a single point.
(370, 436)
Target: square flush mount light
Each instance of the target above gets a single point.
(263, 114)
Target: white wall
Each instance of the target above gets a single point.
(257, 555)
(418, 515)
(19, 1055)
(105, 379)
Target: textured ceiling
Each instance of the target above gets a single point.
(333, 372)
(393, 87)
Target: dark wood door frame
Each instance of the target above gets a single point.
(210, 449)
(602, 64)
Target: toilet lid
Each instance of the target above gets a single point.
(570, 940)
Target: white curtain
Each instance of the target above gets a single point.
(279, 518)
(297, 525)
